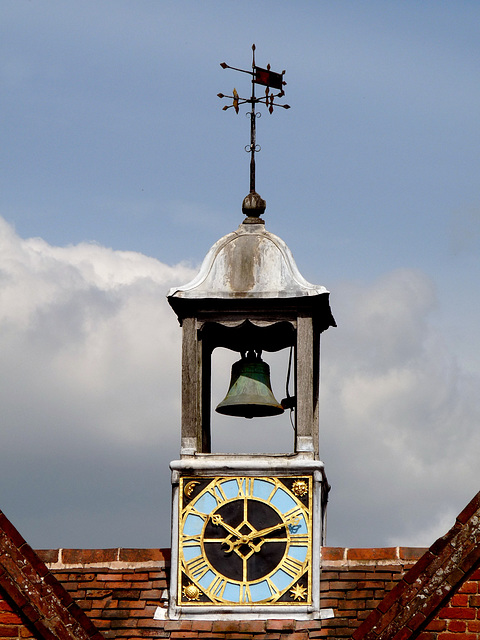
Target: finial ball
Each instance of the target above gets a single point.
(253, 206)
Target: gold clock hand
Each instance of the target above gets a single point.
(217, 519)
(263, 532)
(230, 545)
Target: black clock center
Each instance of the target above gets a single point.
(245, 539)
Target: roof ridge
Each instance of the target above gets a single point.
(42, 601)
(413, 602)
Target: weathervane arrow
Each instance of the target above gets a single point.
(269, 79)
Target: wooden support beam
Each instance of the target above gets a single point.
(304, 393)
(191, 417)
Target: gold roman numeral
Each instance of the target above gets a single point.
(197, 567)
(218, 587)
(219, 493)
(275, 591)
(194, 512)
(245, 596)
(191, 538)
(245, 487)
(301, 539)
(292, 566)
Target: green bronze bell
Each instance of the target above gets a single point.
(250, 394)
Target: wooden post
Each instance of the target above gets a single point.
(191, 420)
(304, 431)
(206, 397)
(315, 390)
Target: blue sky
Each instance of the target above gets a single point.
(120, 170)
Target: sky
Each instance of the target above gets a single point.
(119, 170)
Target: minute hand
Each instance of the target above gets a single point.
(263, 532)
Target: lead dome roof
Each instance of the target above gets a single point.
(248, 263)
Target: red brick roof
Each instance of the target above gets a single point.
(419, 599)
(34, 603)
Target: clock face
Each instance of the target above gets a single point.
(245, 540)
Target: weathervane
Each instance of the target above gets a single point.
(268, 79)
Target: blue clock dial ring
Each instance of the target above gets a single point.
(245, 540)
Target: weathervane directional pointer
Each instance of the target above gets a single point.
(270, 80)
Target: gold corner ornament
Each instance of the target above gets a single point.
(300, 488)
(189, 487)
(191, 592)
(245, 541)
(298, 592)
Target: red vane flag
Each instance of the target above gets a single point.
(268, 78)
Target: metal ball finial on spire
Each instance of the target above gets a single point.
(253, 204)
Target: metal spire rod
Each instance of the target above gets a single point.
(253, 129)
(267, 78)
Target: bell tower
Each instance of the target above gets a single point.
(247, 530)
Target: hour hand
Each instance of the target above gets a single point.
(229, 544)
(218, 520)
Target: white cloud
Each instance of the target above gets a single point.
(85, 330)
(400, 418)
